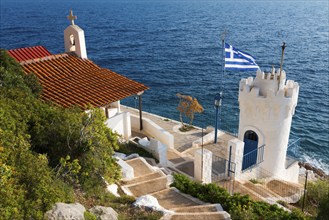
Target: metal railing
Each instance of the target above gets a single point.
(223, 173)
(253, 158)
(272, 188)
(294, 147)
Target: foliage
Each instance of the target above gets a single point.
(12, 76)
(188, 106)
(316, 199)
(255, 181)
(240, 207)
(123, 205)
(68, 170)
(35, 134)
(28, 187)
(131, 147)
(81, 137)
(89, 216)
(323, 208)
(97, 142)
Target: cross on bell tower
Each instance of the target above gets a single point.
(74, 38)
(72, 17)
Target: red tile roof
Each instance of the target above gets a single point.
(69, 80)
(29, 53)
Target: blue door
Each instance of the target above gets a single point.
(250, 149)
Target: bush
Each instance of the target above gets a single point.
(323, 208)
(240, 207)
(34, 134)
(317, 192)
(131, 148)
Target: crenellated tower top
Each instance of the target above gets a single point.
(269, 85)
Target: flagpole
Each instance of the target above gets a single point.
(218, 97)
(223, 58)
(282, 56)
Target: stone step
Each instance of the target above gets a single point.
(144, 178)
(260, 190)
(140, 166)
(199, 208)
(199, 216)
(174, 157)
(172, 198)
(240, 188)
(147, 187)
(283, 189)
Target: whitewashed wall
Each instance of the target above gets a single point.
(154, 130)
(120, 123)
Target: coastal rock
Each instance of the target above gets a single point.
(63, 211)
(317, 171)
(104, 213)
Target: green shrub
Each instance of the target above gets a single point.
(35, 134)
(317, 192)
(89, 216)
(323, 208)
(131, 147)
(240, 207)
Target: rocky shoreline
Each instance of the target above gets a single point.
(320, 173)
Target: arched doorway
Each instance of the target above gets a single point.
(250, 149)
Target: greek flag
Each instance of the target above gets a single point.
(238, 60)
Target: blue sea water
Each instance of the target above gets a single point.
(174, 47)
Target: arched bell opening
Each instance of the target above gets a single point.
(72, 43)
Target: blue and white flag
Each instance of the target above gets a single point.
(238, 60)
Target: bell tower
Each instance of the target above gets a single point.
(74, 38)
(267, 104)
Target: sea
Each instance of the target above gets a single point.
(174, 46)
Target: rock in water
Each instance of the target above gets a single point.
(104, 213)
(63, 211)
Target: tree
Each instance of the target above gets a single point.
(35, 134)
(188, 106)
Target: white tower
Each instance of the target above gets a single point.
(74, 38)
(267, 104)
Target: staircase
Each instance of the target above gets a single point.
(270, 191)
(152, 181)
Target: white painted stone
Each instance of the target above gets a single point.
(144, 142)
(113, 188)
(120, 155)
(159, 151)
(74, 41)
(127, 171)
(150, 202)
(202, 171)
(63, 211)
(266, 107)
(131, 156)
